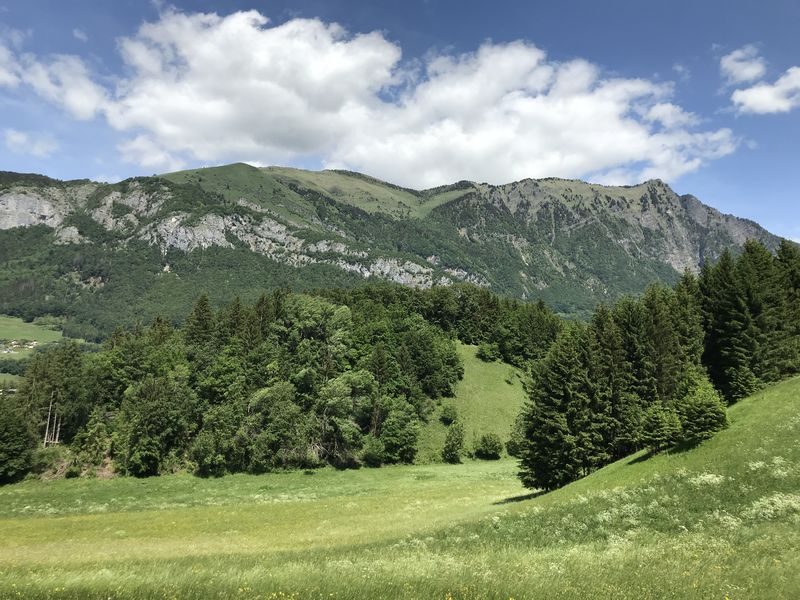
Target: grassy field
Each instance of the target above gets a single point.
(719, 521)
(485, 400)
(12, 328)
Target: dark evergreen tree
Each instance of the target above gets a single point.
(18, 438)
(661, 427)
(730, 342)
(558, 401)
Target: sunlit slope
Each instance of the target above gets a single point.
(721, 520)
(488, 400)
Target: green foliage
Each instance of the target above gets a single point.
(661, 427)
(449, 413)
(92, 444)
(399, 433)
(702, 411)
(453, 443)
(157, 418)
(17, 439)
(373, 453)
(489, 447)
(516, 440)
(488, 352)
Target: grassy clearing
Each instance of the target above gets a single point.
(485, 401)
(8, 379)
(719, 521)
(14, 329)
(363, 192)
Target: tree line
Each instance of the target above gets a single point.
(346, 376)
(657, 371)
(339, 377)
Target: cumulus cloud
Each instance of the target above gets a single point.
(65, 80)
(763, 98)
(21, 142)
(80, 35)
(742, 65)
(209, 88)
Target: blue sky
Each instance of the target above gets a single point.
(705, 95)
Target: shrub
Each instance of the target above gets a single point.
(449, 414)
(488, 352)
(372, 453)
(453, 443)
(489, 447)
(702, 412)
(516, 441)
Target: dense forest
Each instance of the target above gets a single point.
(344, 377)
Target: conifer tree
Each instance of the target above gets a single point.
(199, 327)
(730, 335)
(552, 456)
(758, 277)
(613, 407)
(786, 338)
(661, 427)
(687, 318)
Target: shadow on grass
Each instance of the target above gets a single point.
(520, 498)
(677, 449)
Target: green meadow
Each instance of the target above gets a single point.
(718, 521)
(14, 329)
(488, 400)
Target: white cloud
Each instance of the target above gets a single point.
(9, 68)
(763, 98)
(742, 65)
(206, 88)
(80, 35)
(142, 150)
(671, 116)
(684, 72)
(21, 142)
(65, 81)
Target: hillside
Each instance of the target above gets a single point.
(488, 400)
(105, 255)
(720, 520)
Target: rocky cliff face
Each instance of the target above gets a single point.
(569, 242)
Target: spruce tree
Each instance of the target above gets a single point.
(730, 333)
(661, 427)
(786, 337)
(551, 456)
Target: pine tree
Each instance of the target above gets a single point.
(552, 456)
(687, 318)
(730, 342)
(661, 427)
(199, 327)
(786, 338)
(609, 372)
(701, 411)
(663, 341)
(758, 277)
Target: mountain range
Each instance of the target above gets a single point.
(100, 255)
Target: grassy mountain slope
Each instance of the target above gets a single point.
(718, 521)
(488, 400)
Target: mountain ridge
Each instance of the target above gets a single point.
(568, 242)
